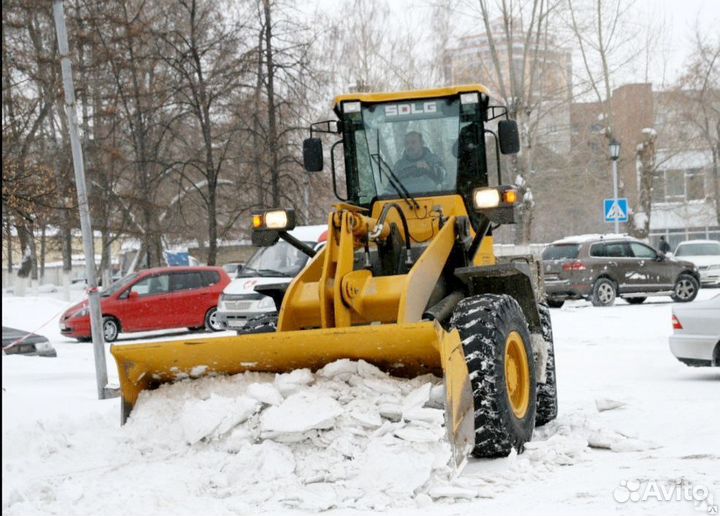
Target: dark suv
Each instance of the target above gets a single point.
(602, 268)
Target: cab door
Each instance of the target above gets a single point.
(189, 305)
(145, 305)
(656, 274)
(621, 265)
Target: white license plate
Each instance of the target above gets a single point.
(235, 324)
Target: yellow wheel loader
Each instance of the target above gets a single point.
(408, 280)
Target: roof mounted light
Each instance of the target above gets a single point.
(469, 98)
(351, 107)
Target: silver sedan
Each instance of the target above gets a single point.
(696, 332)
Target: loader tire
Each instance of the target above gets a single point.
(547, 403)
(496, 343)
(261, 324)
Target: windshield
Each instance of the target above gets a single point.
(412, 147)
(281, 259)
(119, 285)
(699, 249)
(561, 252)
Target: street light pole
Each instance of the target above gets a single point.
(614, 155)
(96, 323)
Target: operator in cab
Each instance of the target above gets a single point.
(419, 169)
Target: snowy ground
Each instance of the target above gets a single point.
(634, 423)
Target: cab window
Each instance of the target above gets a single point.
(617, 250)
(152, 285)
(186, 281)
(642, 251)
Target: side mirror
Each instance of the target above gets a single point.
(313, 154)
(508, 136)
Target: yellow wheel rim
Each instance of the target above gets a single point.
(517, 374)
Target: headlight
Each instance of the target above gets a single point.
(81, 313)
(278, 220)
(266, 303)
(488, 198)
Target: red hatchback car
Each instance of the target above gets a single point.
(153, 299)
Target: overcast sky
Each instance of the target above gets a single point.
(675, 20)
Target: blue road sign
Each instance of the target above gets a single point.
(616, 209)
(177, 258)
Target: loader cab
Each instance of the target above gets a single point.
(380, 135)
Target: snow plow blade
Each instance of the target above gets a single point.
(404, 350)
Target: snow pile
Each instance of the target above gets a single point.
(346, 436)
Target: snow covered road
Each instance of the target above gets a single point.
(636, 427)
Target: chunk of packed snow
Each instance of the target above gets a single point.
(604, 404)
(299, 413)
(265, 392)
(287, 383)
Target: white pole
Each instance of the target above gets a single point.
(85, 226)
(615, 193)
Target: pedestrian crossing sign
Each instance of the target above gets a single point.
(616, 209)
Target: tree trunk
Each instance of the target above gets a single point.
(272, 121)
(8, 236)
(257, 151)
(43, 246)
(716, 180)
(639, 222)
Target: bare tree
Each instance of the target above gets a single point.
(698, 92)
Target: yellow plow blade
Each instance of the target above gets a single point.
(405, 350)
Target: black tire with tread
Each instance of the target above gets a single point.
(695, 283)
(547, 403)
(595, 299)
(106, 320)
(635, 300)
(209, 314)
(484, 322)
(555, 303)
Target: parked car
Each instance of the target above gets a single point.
(279, 263)
(20, 342)
(232, 268)
(696, 333)
(153, 299)
(601, 268)
(705, 254)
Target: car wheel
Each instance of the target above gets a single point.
(604, 292)
(111, 329)
(212, 322)
(555, 303)
(84, 339)
(635, 300)
(686, 288)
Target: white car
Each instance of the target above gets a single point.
(696, 332)
(705, 254)
(277, 264)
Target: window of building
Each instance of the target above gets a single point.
(674, 185)
(679, 185)
(658, 189)
(695, 180)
